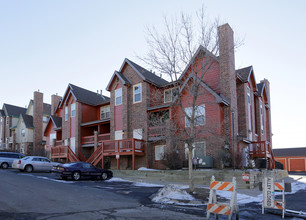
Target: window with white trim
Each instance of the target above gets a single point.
(170, 94)
(73, 110)
(45, 119)
(261, 117)
(66, 113)
(105, 112)
(249, 112)
(137, 133)
(118, 96)
(199, 115)
(119, 135)
(22, 133)
(7, 120)
(160, 152)
(0, 121)
(198, 150)
(137, 93)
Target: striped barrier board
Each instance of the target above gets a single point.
(221, 208)
(269, 187)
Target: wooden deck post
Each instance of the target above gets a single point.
(95, 140)
(102, 152)
(133, 154)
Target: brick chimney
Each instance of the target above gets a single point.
(55, 99)
(228, 83)
(38, 122)
(268, 113)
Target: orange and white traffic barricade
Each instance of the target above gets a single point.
(222, 208)
(269, 187)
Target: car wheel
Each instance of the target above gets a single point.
(4, 165)
(104, 176)
(76, 176)
(28, 168)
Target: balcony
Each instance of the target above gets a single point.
(158, 132)
(91, 139)
(133, 147)
(262, 149)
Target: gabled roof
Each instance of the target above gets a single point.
(244, 73)
(282, 152)
(46, 107)
(12, 110)
(28, 120)
(260, 88)
(57, 121)
(123, 79)
(145, 74)
(199, 50)
(85, 96)
(2, 113)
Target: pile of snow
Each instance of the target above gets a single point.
(147, 169)
(171, 194)
(116, 179)
(142, 184)
(241, 198)
(300, 184)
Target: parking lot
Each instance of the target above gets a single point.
(46, 196)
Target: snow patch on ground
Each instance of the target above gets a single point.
(300, 184)
(147, 184)
(116, 179)
(171, 194)
(147, 169)
(241, 198)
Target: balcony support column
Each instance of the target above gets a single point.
(95, 140)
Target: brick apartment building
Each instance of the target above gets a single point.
(23, 130)
(134, 127)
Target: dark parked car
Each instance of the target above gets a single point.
(78, 170)
(7, 158)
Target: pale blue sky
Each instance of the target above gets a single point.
(47, 44)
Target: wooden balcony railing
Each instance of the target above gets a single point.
(263, 149)
(91, 139)
(58, 143)
(156, 131)
(64, 152)
(116, 148)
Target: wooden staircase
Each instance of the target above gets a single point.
(64, 152)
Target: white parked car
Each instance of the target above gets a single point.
(33, 163)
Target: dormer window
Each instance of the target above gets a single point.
(170, 94)
(105, 112)
(118, 96)
(137, 93)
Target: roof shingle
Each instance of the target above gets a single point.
(244, 73)
(298, 151)
(13, 110)
(88, 97)
(28, 120)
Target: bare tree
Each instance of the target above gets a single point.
(172, 52)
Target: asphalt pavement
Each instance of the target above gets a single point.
(45, 196)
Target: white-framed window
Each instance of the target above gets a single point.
(249, 112)
(170, 94)
(73, 110)
(118, 135)
(261, 117)
(0, 121)
(66, 113)
(7, 120)
(160, 152)
(199, 115)
(137, 133)
(198, 150)
(22, 149)
(52, 137)
(118, 96)
(137, 93)
(105, 112)
(72, 144)
(45, 119)
(22, 132)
